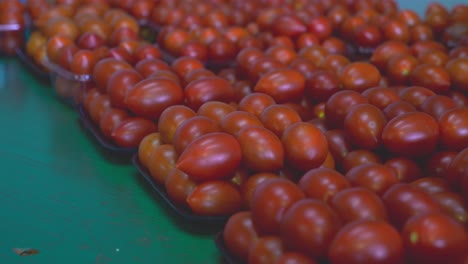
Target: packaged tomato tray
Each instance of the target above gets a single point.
(184, 212)
(97, 134)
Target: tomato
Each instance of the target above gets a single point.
(359, 76)
(90, 41)
(367, 241)
(438, 163)
(375, 177)
(170, 119)
(234, 121)
(338, 144)
(248, 187)
(338, 105)
(270, 200)
(282, 84)
(433, 77)
(404, 201)
(266, 250)
(131, 131)
(183, 65)
(453, 129)
(434, 238)
(453, 205)
(98, 107)
(120, 83)
(278, 117)
(334, 63)
(411, 134)
(358, 157)
(289, 257)
(147, 51)
(215, 198)
(400, 67)
(192, 128)
(407, 170)
(211, 156)
(457, 69)
(308, 226)
(261, 149)
(356, 203)
(207, 89)
(305, 146)
(104, 69)
(398, 108)
(111, 119)
(381, 96)
(457, 168)
(322, 183)
(147, 146)
(431, 185)
(215, 110)
(288, 25)
(416, 95)
(321, 85)
(161, 161)
(386, 51)
(146, 67)
(178, 186)
(239, 234)
(281, 53)
(363, 125)
(437, 105)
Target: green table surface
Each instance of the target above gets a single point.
(61, 194)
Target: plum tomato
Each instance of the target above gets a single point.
(338, 144)
(322, 183)
(367, 241)
(111, 119)
(192, 128)
(212, 156)
(147, 145)
(404, 200)
(132, 130)
(338, 105)
(270, 200)
(357, 157)
(146, 67)
(161, 161)
(437, 105)
(359, 76)
(308, 226)
(457, 69)
(234, 121)
(207, 89)
(98, 107)
(381, 96)
(289, 257)
(411, 135)
(103, 70)
(262, 150)
(248, 187)
(170, 119)
(178, 186)
(375, 177)
(454, 129)
(266, 250)
(433, 238)
(437, 164)
(239, 234)
(305, 146)
(431, 185)
(278, 117)
(358, 203)
(215, 110)
(436, 78)
(457, 168)
(453, 205)
(398, 108)
(321, 85)
(282, 84)
(120, 83)
(407, 170)
(215, 198)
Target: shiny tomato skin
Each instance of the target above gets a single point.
(266, 250)
(215, 110)
(454, 129)
(277, 117)
(215, 198)
(132, 130)
(407, 170)
(290, 257)
(111, 119)
(322, 183)
(235, 121)
(435, 238)
(192, 128)
(248, 187)
(147, 146)
(255, 103)
(282, 84)
(104, 68)
(367, 241)
(305, 146)
(270, 199)
(212, 156)
(453, 205)
(358, 157)
(411, 135)
(262, 150)
(457, 168)
(239, 234)
(338, 144)
(207, 89)
(151, 96)
(357, 203)
(170, 119)
(375, 177)
(308, 226)
(404, 201)
(338, 105)
(120, 83)
(178, 186)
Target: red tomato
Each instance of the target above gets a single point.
(277, 118)
(120, 83)
(452, 204)
(235, 121)
(239, 234)
(255, 103)
(161, 161)
(290, 257)
(338, 144)
(151, 96)
(111, 120)
(262, 150)
(375, 177)
(435, 238)
(322, 183)
(210, 157)
(178, 186)
(147, 146)
(170, 119)
(431, 185)
(192, 128)
(407, 170)
(308, 226)
(453, 129)
(367, 241)
(457, 168)
(357, 157)
(338, 105)
(305, 146)
(248, 187)
(270, 200)
(284, 85)
(215, 198)
(266, 250)
(207, 89)
(131, 131)
(215, 110)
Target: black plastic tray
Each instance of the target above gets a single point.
(96, 133)
(179, 209)
(230, 259)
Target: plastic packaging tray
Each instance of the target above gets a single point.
(230, 259)
(100, 138)
(180, 210)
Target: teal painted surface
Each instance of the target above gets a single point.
(61, 194)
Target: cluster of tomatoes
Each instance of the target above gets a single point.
(336, 132)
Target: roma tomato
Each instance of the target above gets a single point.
(289, 257)
(215, 110)
(151, 96)
(411, 135)
(161, 161)
(170, 119)
(215, 198)
(211, 156)
(433, 238)
(261, 149)
(407, 170)
(375, 177)
(358, 203)
(111, 119)
(457, 168)
(192, 128)
(120, 83)
(266, 250)
(367, 241)
(278, 117)
(270, 200)
(131, 131)
(338, 144)
(103, 70)
(305, 146)
(255, 103)
(453, 205)
(359, 76)
(453, 129)
(322, 183)
(147, 146)
(431, 185)
(239, 234)
(207, 89)
(357, 157)
(178, 186)
(248, 187)
(283, 84)
(338, 105)
(235, 121)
